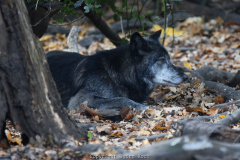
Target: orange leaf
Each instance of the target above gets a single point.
(116, 134)
(128, 117)
(222, 116)
(219, 99)
(197, 109)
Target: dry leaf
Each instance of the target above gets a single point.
(45, 37)
(104, 129)
(93, 48)
(222, 116)
(236, 45)
(186, 64)
(124, 111)
(145, 142)
(129, 116)
(219, 99)
(116, 134)
(197, 109)
(14, 140)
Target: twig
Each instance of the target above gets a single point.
(47, 14)
(127, 19)
(122, 26)
(139, 13)
(172, 27)
(225, 104)
(165, 20)
(57, 24)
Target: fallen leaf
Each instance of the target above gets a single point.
(124, 111)
(129, 116)
(145, 142)
(45, 37)
(236, 45)
(104, 129)
(116, 134)
(219, 99)
(14, 140)
(222, 116)
(197, 109)
(186, 64)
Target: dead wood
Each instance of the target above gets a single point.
(90, 148)
(230, 119)
(210, 13)
(87, 41)
(216, 131)
(235, 80)
(184, 69)
(199, 118)
(211, 76)
(53, 30)
(226, 92)
(152, 138)
(187, 148)
(72, 39)
(102, 26)
(225, 5)
(224, 105)
(28, 94)
(209, 73)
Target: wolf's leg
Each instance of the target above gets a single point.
(114, 103)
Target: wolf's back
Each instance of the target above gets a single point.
(62, 66)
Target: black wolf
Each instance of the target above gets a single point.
(115, 78)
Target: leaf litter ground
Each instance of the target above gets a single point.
(196, 44)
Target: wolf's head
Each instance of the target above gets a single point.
(155, 61)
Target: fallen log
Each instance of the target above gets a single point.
(235, 80)
(210, 13)
(187, 148)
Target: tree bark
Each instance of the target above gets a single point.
(102, 26)
(28, 94)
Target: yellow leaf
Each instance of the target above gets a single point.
(44, 38)
(186, 64)
(157, 27)
(222, 116)
(169, 31)
(15, 140)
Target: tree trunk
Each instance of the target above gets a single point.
(28, 94)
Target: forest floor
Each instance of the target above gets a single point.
(193, 45)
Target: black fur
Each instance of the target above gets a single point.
(109, 79)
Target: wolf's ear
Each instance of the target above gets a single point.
(137, 41)
(156, 36)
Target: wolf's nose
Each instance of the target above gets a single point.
(185, 77)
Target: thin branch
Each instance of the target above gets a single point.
(57, 24)
(122, 26)
(165, 19)
(139, 13)
(225, 104)
(47, 14)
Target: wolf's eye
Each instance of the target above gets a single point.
(162, 59)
